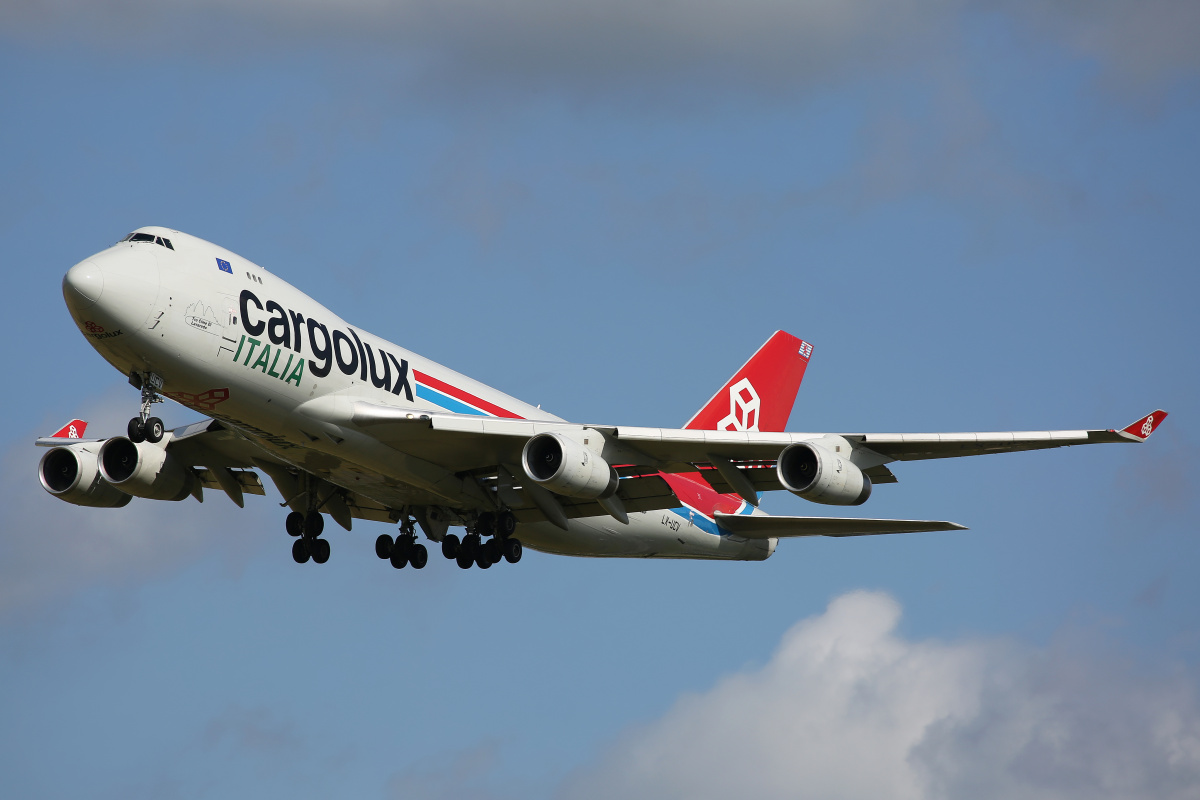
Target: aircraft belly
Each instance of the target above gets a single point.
(645, 537)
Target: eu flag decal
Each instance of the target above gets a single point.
(224, 266)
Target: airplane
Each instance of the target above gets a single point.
(350, 425)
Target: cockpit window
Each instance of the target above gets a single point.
(149, 237)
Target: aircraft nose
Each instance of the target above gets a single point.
(83, 285)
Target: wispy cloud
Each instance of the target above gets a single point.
(762, 42)
(467, 773)
(848, 708)
(51, 551)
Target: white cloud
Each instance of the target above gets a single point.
(848, 708)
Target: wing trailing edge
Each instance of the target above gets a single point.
(767, 527)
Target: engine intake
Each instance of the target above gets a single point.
(144, 470)
(566, 467)
(72, 473)
(814, 473)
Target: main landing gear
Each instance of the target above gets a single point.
(143, 427)
(473, 550)
(307, 529)
(404, 550)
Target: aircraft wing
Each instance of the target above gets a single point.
(471, 442)
(764, 527)
(694, 446)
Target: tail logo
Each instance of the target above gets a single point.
(743, 408)
(1148, 426)
(72, 432)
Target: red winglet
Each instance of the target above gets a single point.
(1145, 426)
(72, 430)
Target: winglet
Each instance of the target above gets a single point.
(72, 430)
(1140, 431)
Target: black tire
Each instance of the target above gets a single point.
(314, 524)
(494, 550)
(383, 546)
(400, 554)
(135, 431)
(464, 560)
(419, 556)
(300, 552)
(506, 525)
(294, 523)
(450, 546)
(512, 550)
(469, 546)
(483, 558)
(154, 430)
(320, 550)
(486, 524)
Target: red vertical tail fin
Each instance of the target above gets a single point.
(760, 395)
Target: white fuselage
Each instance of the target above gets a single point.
(235, 342)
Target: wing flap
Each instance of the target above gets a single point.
(765, 527)
(249, 481)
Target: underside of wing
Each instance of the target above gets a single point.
(765, 527)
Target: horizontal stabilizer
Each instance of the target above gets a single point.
(764, 527)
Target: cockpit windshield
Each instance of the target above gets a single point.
(149, 237)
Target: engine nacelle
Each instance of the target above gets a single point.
(72, 473)
(814, 473)
(566, 467)
(144, 470)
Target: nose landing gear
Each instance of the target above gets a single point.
(143, 427)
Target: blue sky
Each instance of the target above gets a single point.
(982, 214)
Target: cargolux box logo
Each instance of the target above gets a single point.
(743, 408)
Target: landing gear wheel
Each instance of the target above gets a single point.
(450, 546)
(294, 523)
(300, 552)
(486, 524)
(400, 554)
(470, 546)
(464, 560)
(314, 523)
(320, 550)
(512, 550)
(483, 557)
(383, 546)
(494, 550)
(419, 556)
(136, 431)
(153, 429)
(506, 524)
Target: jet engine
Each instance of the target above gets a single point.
(566, 467)
(144, 469)
(72, 473)
(814, 473)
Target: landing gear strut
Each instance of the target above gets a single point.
(143, 427)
